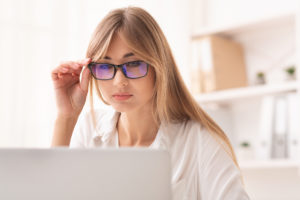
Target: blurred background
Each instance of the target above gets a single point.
(240, 59)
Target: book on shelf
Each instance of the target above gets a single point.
(279, 127)
(263, 145)
(294, 126)
(279, 143)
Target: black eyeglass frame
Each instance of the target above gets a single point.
(115, 69)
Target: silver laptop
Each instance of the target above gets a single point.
(73, 174)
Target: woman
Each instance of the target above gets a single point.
(133, 71)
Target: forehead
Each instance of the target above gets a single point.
(118, 49)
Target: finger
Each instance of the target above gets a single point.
(57, 74)
(84, 62)
(75, 67)
(85, 79)
(54, 76)
(58, 70)
(66, 67)
(60, 75)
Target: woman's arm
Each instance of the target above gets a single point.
(70, 93)
(63, 129)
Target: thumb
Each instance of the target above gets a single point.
(86, 75)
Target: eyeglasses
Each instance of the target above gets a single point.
(106, 71)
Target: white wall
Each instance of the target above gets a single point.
(220, 12)
(35, 35)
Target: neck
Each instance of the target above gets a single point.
(137, 128)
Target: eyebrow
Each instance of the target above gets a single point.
(125, 56)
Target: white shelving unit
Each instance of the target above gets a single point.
(238, 94)
(270, 37)
(288, 26)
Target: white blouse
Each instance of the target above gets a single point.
(201, 169)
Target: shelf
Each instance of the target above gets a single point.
(269, 164)
(281, 20)
(227, 96)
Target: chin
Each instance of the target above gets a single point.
(123, 107)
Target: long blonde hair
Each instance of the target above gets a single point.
(172, 102)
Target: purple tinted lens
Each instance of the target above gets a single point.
(103, 71)
(135, 69)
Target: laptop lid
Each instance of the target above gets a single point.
(64, 173)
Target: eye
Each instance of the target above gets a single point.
(104, 66)
(134, 64)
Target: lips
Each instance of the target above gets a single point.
(122, 96)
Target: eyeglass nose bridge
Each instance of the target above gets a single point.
(121, 68)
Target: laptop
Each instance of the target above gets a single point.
(80, 174)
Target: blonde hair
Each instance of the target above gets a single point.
(172, 102)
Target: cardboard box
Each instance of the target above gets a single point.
(219, 65)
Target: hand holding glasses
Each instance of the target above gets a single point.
(70, 91)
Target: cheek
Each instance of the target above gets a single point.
(146, 86)
(104, 87)
(145, 90)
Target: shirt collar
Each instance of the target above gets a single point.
(107, 127)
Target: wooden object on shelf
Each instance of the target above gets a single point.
(221, 65)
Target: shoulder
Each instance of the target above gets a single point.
(191, 130)
(183, 135)
(184, 130)
(193, 136)
(205, 138)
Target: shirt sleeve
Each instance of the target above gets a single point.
(219, 178)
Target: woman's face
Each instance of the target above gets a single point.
(123, 94)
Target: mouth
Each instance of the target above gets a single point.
(122, 97)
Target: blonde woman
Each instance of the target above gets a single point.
(131, 67)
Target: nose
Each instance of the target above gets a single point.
(120, 80)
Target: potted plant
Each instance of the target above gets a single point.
(260, 78)
(245, 144)
(291, 72)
